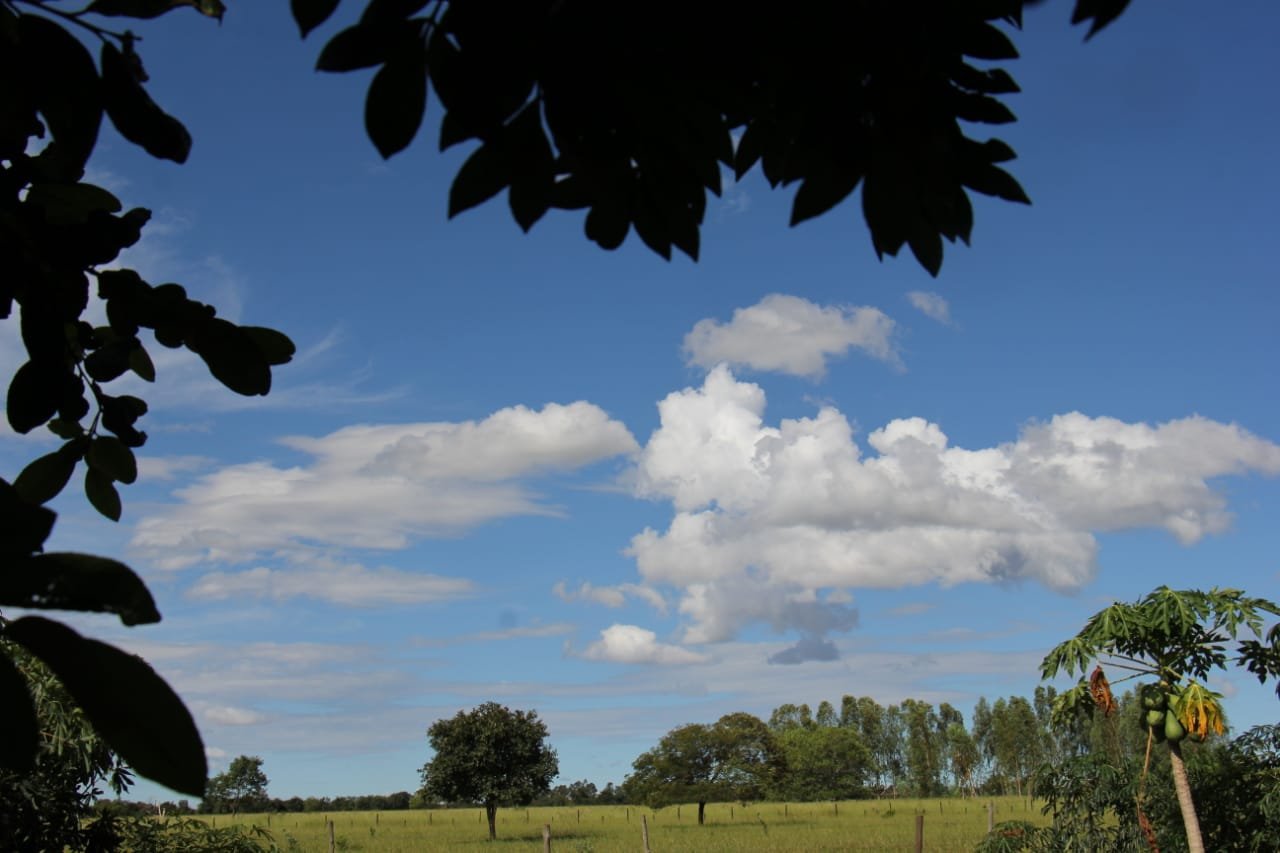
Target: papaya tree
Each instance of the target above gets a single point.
(1175, 638)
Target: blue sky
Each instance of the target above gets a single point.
(633, 494)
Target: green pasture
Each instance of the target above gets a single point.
(949, 825)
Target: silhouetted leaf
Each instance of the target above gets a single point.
(608, 221)
(355, 47)
(64, 85)
(107, 454)
(33, 395)
(452, 131)
(534, 167)
(972, 107)
(21, 737)
(43, 478)
(1101, 12)
(232, 357)
(23, 526)
(991, 180)
(66, 430)
(135, 115)
(310, 14)
(71, 204)
(993, 81)
(67, 581)
(155, 8)
(130, 706)
(275, 346)
(821, 192)
(141, 364)
(102, 494)
(486, 173)
(985, 41)
(109, 361)
(396, 101)
(926, 245)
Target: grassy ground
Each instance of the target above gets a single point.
(884, 825)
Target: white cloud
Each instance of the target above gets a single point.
(932, 305)
(632, 644)
(338, 583)
(379, 486)
(169, 467)
(611, 596)
(767, 517)
(227, 715)
(791, 335)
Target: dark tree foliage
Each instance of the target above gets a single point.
(629, 110)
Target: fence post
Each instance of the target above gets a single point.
(644, 832)
(332, 844)
(546, 838)
(920, 833)
(991, 817)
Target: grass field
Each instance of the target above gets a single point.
(949, 825)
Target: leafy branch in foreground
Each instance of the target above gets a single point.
(634, 117)
(57, 235)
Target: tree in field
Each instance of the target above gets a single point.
(1176, 638)
(822, 763)
(573, 105)
(735, 759)
(241, 787)
(491, 756)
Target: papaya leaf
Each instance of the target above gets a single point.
(130, 706)
(71, 204)
(69, 581)
(21, 737)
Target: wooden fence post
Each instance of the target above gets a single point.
(546, 838)
(920, 833)
(991, 817)
(644, 832)
(332, 844)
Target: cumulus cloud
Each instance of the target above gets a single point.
(767, 517)
(931, 304)
(632, 644)
(791, 335)
(338, 583)
(809, 648)
(611, 596)
(379, 486)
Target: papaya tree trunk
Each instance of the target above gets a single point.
(1195, 843)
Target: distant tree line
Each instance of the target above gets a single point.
(860, 748)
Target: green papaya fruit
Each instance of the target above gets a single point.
(1173, 730)
(1154, 718)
